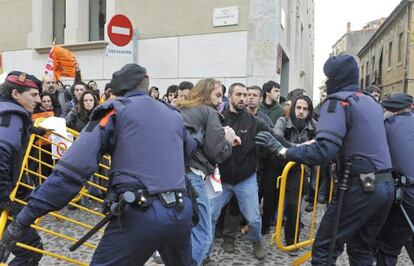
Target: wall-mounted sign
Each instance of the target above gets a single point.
(226, 16)
(120, 30)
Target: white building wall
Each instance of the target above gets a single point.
(168, 60)
(244, 53)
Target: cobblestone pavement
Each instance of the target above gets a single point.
(242, 256)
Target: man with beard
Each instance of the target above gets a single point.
(238, 173)
(295, 129)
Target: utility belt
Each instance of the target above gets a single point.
(134, 194)
(401, 183)
(138, 195)
(141, 198)
(367, 181)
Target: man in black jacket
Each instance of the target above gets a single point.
(238, 173)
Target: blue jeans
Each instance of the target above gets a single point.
(246, 193)
(201, 234)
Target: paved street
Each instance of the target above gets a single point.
(242, 256)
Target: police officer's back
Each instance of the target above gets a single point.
(19, 97)
(350, 127)
(147, 142)
(399, 125)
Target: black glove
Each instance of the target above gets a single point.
(39, 131)
(13, 232)
(10, 206)
(266, 139)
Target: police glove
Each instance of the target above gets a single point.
(13, 232)
(10, 206)
(40, 131)
(266, 139)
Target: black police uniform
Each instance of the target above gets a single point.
(15, 127)
(350, 126)
(400, 134)
(147, 142)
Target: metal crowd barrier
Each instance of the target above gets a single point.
(39, 160)
(277, 236)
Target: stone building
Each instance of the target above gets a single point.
(353, 40)
(387, 59)
(249, 41)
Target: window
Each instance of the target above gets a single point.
(372, 65)
(389, 54)
(400, 47)
(97, 19)
(362, 77)
(59, 21)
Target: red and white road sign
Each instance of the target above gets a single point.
(120, 30)
(61, 148)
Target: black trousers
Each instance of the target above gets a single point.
(362, 217)
(24, 257)
(396, 231)
(271, 170)
(141, 233)
(292, 204)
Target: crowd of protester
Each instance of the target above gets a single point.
(230, 123)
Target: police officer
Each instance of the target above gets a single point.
(18, 98)
(350, 126)
(147, 142)
(399, 125)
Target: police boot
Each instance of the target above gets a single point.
(259, 250)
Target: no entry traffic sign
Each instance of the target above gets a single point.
(120, 30)
(61, 148)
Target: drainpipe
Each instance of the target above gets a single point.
(407, 45)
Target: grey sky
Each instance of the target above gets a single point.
(331, 17)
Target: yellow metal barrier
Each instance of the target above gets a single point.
(37, 164)
(277, 236)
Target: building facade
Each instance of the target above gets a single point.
(387, 59)
(352, 41)
(249, 41)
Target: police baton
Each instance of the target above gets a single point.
(116, 210)
(409, 245)
(343, 187)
